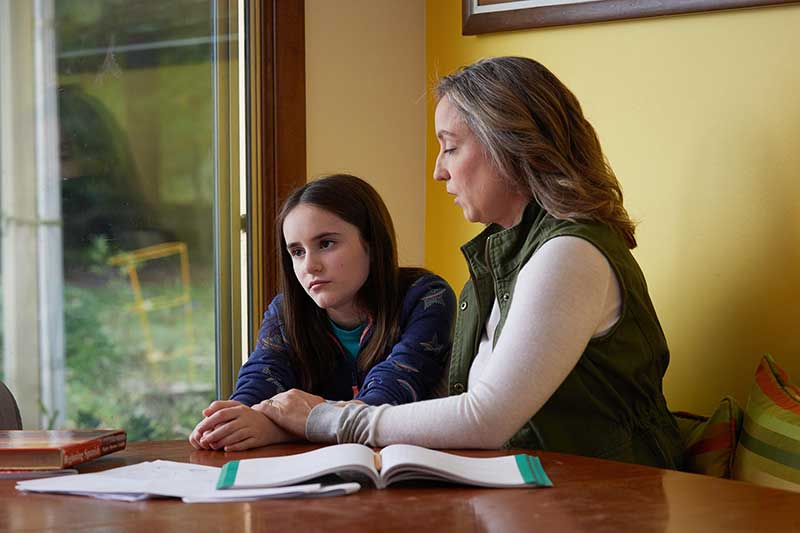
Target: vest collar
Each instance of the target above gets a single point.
(499, 249)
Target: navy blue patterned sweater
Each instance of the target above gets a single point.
(410, 372)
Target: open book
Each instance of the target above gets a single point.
(397, 462)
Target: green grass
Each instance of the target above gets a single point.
(115, 380)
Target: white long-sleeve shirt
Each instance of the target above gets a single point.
(565, 295)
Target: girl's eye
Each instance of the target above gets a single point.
(296, 252)
(325, 244)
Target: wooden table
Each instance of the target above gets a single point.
(589, 495)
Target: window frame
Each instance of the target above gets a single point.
(260, 114)
(276, 139)
(275, 163)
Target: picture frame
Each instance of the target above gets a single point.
(487, 16)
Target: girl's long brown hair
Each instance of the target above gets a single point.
(534, 132)
(314, 352)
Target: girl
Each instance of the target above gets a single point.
(349, 324)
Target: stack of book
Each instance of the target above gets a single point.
(27, 454)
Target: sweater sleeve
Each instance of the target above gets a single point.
(414, 367)
(268, 370)
(560, 300)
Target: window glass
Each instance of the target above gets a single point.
(132, 93)
(136, 116)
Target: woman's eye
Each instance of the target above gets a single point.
(296, 252)
(448, 150)
(325, 244)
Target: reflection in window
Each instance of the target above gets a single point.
(135, 123)
(136, 120)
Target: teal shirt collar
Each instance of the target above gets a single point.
(350, 339)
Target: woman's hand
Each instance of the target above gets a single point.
(232, 426)
(290, 410)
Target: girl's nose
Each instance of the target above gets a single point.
(313, 264)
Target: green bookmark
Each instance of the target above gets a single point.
(530, 468)
(228, 475)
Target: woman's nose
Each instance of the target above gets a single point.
(439, 173)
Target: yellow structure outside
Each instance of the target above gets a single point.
(130, 262)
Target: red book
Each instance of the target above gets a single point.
(56, 449)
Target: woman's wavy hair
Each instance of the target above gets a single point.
(533, 131)
(315, 353)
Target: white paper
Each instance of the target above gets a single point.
(313, 490)
(193, 483)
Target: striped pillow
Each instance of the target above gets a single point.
(709, 442)
(769, 447)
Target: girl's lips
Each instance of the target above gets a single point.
(314, 284)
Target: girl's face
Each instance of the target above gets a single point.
(479, 190)
(330, 259)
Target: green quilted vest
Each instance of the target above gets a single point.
(611, 405)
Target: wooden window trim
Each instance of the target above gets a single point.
(276, 145)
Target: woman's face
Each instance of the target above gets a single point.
(330, 259)
(479, 190)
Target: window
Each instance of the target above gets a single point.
(143, 160)
(120, 206)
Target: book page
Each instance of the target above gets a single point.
(290, 469)
(403, 461)
(193, 483)
(314, 490)
(162, 478)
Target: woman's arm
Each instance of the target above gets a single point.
(414, 367)
(561, 300)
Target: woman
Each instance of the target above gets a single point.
(348, 325)
(557, 345)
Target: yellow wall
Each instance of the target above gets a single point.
(699, 116)
(365, 81)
